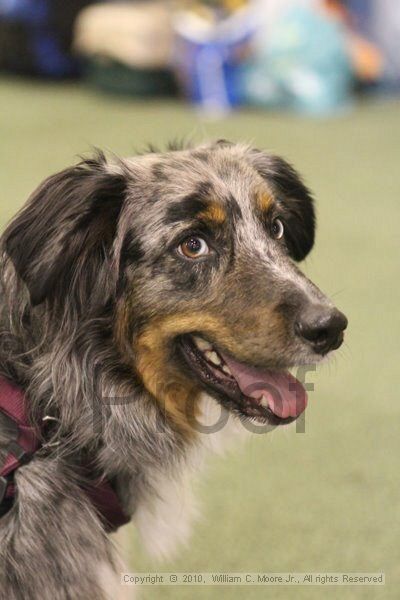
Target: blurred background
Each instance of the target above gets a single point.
(309, 56)
(318, 82)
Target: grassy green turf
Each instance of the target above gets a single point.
(328, 499)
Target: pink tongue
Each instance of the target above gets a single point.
(285, 394)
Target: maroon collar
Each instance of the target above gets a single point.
(23, 444)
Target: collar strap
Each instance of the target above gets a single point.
(24, 442)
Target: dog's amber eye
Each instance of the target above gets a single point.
(194, 247)
(277, 229)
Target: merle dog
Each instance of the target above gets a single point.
(142, 301)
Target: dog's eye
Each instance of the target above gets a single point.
(194, 247)
(277, 229)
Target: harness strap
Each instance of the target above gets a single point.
(23, 444)
(24, 441)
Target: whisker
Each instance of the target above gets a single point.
(336, 294)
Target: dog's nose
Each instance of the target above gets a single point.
(322, 327)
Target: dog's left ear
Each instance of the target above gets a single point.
(62, 238)
(295, 200)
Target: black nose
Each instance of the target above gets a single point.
(322, 327)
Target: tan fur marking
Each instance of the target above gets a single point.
(172, 389)
(264, 201)
(214, 213)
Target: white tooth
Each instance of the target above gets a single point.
(226, 370)
(202, 345)
(264, 401)
(213, 357)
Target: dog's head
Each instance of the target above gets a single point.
(191, 256)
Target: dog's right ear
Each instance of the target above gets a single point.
(65, 232)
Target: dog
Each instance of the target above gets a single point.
(150, 307)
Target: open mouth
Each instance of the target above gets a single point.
(273, 397)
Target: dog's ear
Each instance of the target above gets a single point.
(294, 198)
(66, 230)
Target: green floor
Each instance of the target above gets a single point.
(328, 499)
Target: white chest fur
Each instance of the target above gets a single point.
(165, 512)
